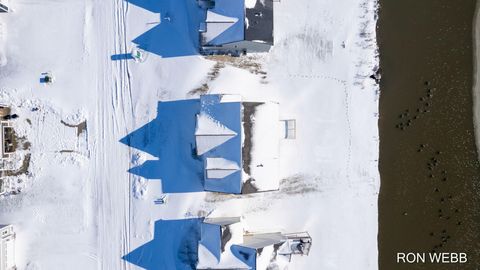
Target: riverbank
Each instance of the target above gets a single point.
(476, 78)
(428, 157)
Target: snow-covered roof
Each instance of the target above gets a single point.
(219, 168)
(207, 243)
(214, 143)
(257, 241)
(219, 142)
(218, 246)
(222, 120)
(225, 22)
(210, 133)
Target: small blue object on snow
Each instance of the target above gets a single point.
(161, 200)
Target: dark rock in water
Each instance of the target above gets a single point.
(426, 83)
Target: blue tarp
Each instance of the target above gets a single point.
(212, 238)
(235, 9)
(174, 246)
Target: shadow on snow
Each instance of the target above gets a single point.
(174, 246)
(177, 33)
(171, 138)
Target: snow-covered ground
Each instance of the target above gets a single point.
(81, 209)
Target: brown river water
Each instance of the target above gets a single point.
(430, 174)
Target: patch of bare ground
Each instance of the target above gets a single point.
(248, 62)
(81, 127)
(211, 76)
(291, 186)
(22, 170)
(17, 143)
(252, 63)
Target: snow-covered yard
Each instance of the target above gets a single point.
(81, 209)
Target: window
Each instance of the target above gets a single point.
(290, 129)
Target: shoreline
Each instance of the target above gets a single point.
(476, 76)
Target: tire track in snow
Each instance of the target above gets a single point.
(112, 122)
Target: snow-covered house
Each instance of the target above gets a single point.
(208, 27)
(216, 243)
(224, 245)
(218, 143)
(7, 247)
(239, 144)
(236, 26)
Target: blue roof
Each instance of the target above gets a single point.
(229, 115)
(235, 9)
(174, 246)
(171, 138)
(177, 33)
(246, 255)
(211, 238)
